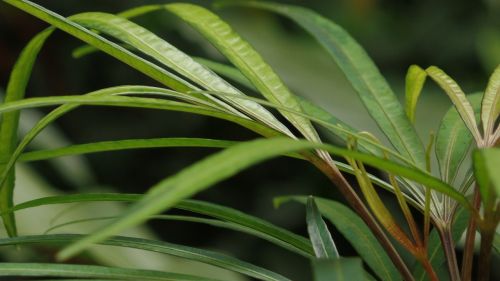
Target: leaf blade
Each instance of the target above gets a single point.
(354, 230)
(321, 239)
(360, 70)
(186, 252)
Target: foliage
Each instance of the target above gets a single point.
(197, 86)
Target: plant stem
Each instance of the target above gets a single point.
(449, 251)
(483, 271)
(357, 204)
(468, 253)
(428, 268)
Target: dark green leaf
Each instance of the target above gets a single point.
(321, 239)
(357, 233)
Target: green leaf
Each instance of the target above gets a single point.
(120, 53)
(152, 45)
(458, 98)
(311, 111)
(350, 225)
(490, 108)
(222, 165)
(321, 239)
(246, 59)
(246, 223)
(190, 253)
(453, 141)
(123, 145)
(107, 97)
(496, 243)
(343, 269)
(227, 71)
(191, 180)
(91, 271)
(360, 70)
(486, 163)
(16, 88)
(415, 79)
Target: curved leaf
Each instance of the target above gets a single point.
(91, 271)
(152, 45)
(246, 223)
(356, 232)
(16, 88)
(190, 253)
(490, 107)
(458, 98)
(122, 145)
(222, 165)
(360, 70)
(105, 97)
(246, 59)
(415, 79)
(453, 141)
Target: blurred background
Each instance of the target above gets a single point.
(461, 37)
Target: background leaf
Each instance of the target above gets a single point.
(343, 269)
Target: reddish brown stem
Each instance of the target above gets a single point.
(357, 204)
(468, 253)
(430, 271)
(449, 252)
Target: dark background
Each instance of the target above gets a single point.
(462, 37)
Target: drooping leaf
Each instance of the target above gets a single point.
(415, 79)
(152, 45)
(120, 53)
(343, 269)
(90, 271)
(453, 140)
(106, 97)
(356, 232)
(311, 111)
(490, 107)
(321, 239)
(246, 59)
(360, 70)
(457, 96)
(16, 88)
(190, 253)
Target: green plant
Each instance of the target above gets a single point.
(442, 199)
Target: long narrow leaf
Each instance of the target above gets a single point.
(246, 223)
(190, 253)
(457, 96)
(9, 124)
(222, 165)
(152, 45)
(360, 70)
(453, 141)
(415, 79)
(321, 239)
(123, 145)
(246, 59)
(91, 271)
(490, 108)
(356, 232)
